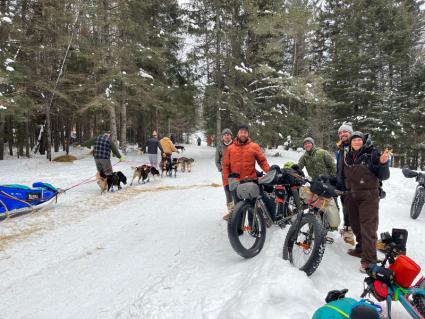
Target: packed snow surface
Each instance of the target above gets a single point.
(160, 250)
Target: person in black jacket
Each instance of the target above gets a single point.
(152, 145)
(364, 167)
(343, 146)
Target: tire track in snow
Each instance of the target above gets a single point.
(42, 221)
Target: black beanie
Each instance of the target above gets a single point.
(364, 312)
(243, 127)
(357, 134)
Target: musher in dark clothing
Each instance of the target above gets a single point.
(153, 145)
(103, 146)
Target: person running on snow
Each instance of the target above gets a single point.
(152, 146)
(167, 148)
(317, 161)
(364, 167)
(343, 146)
(103, 146)
(225, 142)
(240, 159)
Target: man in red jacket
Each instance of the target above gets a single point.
(240, 158)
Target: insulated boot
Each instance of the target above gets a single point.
(355, 253)
(347, 235)
(230, 207)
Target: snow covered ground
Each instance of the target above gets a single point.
(160, 250)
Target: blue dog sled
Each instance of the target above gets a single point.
(16, 200)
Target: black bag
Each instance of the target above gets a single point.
(322, 189)
(335, 295)
(380, 273)
(291, 177)
(399, 237)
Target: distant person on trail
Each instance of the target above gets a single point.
(152, 146)
(225, 142)
(364, 167)
(343, 147)
(103, 146)
(199, 141)
(167, 148)
(209, 140)
(317, 161)
(240, 159)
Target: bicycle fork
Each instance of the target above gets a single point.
(260, 205)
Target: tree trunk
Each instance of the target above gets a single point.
(218, 71)
(68, 128)
(123, 141)
(48, 134)
(55, 134)
(27, 140)
(112, 121)
(21, 139)
(2, 139)
(10, 135)
(62, 132)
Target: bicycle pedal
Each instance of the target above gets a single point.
(282, 223)
(330, 240)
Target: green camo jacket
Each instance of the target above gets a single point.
(318, 162)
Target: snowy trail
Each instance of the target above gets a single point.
(161, 251)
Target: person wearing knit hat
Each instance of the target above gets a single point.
(363, 170)
(317, 161)
(240, 159)
(226, 141)
(345, 132)
(244, 127)
(152, 146)
(346, 127)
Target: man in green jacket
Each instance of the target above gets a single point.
(317, 161)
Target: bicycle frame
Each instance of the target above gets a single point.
(282, 206)
(403, 299)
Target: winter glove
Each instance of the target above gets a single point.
(275, 167)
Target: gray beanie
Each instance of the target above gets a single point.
(226, 131)
(346, 126)
(309, 139)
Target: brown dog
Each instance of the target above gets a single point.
(186, 163)
(142, 172)
(102, 182)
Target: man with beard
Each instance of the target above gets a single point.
(225, 142)
(343, 146)
(240, 158)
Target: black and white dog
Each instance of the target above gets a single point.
(180, 148)
(114, 179)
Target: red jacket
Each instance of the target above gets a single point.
(241, 159)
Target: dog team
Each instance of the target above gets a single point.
(107, 179)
